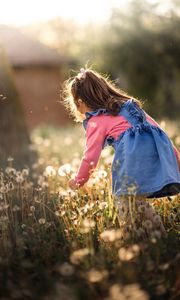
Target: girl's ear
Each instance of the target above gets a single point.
(79, 102)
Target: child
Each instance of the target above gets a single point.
(145, 161)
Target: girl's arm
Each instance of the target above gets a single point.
(177, 154)
(95, 136)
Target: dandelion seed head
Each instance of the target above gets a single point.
(10, 159)
(78, 255)
(135, 248)
(154, 240)
(46, 142)
(102, 173)
(116, 292)
(25, 172)
(4, 219)
(16, 208)
(108, 161)
(19, 179)
(50, 171)
(85, 208)
(42, 221)
(34, 166)
(23, 226)
(3, 189)
(75, 222)
(90, 183)
(134, 291)
(106, 152)
(45, 184)
(148, 224)
(156, 234)
(75, 162)
(103, 205)
(41, 161)
(10, 170)
(141, 208)
(66, 269)
(160, 289)
(4, 206)
(164, 267)
(68, 140)
(126, 254)
(96, 276)
(149, 213)
(177, 140)
(157, 219)
(32, 208)
(57, 213)
(87, 223)
(132, 189)
(140, 232)
(111, 235)
(11, 186)
(64, 170)
(163, 124)
(38, 140)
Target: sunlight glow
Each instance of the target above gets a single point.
(20, 12)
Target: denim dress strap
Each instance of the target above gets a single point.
(136, 117)
(133, 113)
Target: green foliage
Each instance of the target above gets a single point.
(143, 48)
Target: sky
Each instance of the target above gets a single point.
(24, 12)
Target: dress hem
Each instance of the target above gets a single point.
(153, 190)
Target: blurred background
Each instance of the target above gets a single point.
(56, 243)
(42, 43)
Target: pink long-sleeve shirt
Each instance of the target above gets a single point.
(98, 129)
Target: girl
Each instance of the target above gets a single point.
(145, 160)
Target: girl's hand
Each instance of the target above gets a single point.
(72, 184)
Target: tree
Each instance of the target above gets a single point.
(143, 49)
(14, 138)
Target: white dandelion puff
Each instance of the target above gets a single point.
(64, 170)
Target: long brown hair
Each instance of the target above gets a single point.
(96, 91)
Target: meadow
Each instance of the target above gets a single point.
(59, 244)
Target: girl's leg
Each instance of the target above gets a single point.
(122, 205)
(125, 215)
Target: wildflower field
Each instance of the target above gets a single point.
(59, 244)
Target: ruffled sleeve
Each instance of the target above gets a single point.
(90, 114)
(95, 137)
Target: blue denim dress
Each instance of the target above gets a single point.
(144, 162)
